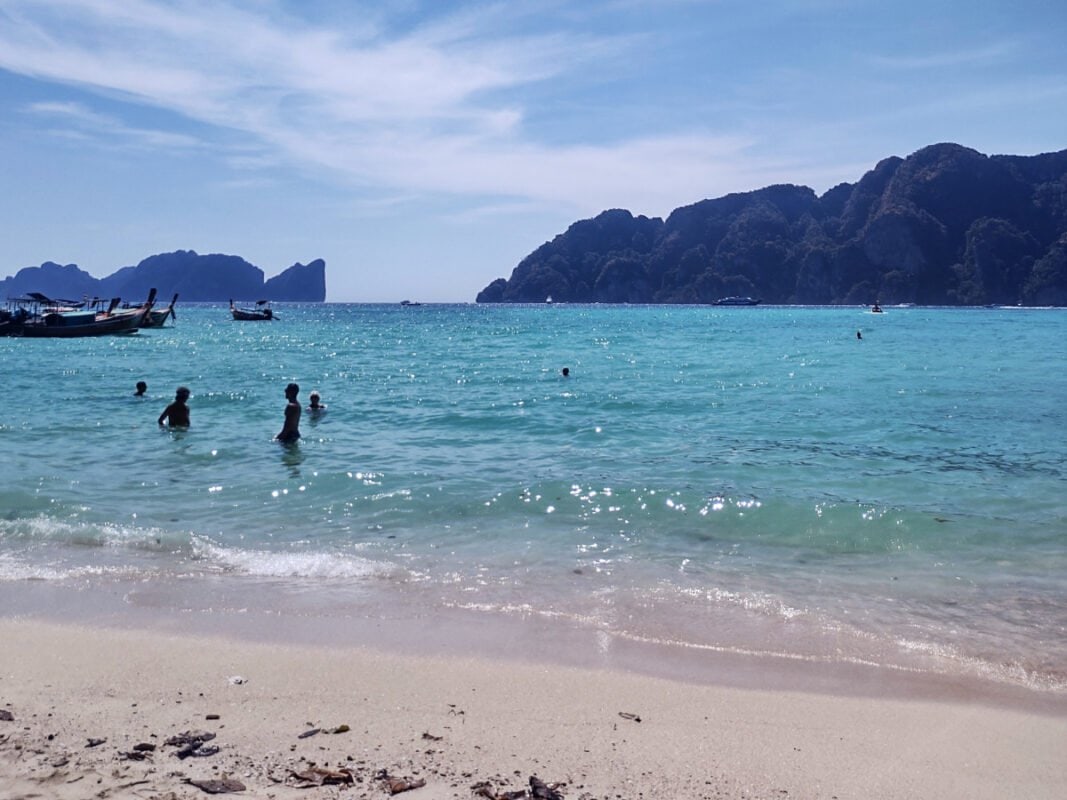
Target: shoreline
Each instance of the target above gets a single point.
(457, 722)
(520, 638)
(477, 703)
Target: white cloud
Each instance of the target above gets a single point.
(404, 99)
(91, 125)
(437, 108)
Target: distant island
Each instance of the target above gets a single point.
(944, 226)
(196, 278)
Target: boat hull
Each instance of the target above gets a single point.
(156, 319)
(119, 324)
(252, 316)
(262, 313)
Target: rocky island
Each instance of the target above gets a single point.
(197, 278)
(945, 226)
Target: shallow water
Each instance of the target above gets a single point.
(736, 479)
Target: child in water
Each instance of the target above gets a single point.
(315, 407)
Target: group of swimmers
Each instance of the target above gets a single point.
(176, 415)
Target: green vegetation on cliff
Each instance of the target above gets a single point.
(947, 225)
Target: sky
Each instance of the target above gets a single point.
(423, 148)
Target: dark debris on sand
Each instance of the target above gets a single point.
(538, 790)
(43, 754)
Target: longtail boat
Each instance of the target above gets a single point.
(156, 317)
(261, 313)
(85, 322)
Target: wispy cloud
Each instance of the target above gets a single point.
(434, 108)
(90, 125)
(947, 58)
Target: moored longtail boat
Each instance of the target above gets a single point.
(69, 324)
(261, 313)
(156, 317)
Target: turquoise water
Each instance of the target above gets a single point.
(737, 479)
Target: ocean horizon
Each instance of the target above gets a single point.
(818, 484)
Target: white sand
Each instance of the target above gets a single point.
(497, 722)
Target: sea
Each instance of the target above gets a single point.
(820, 485)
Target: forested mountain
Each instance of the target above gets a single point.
(946, 225)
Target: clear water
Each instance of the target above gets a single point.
(737, 479)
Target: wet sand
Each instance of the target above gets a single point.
(474, 727)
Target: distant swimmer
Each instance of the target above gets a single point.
(566, 372)
(177, 413)
(291, 428)
(859, 335)
(142, 387)
(315, 406)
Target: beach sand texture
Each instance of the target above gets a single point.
(470, 728)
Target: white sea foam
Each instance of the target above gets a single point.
(289, 564)
(48, 530)
(13, 568)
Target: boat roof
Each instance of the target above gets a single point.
(38, 297)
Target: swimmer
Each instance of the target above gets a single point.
(315, 407)
(291, 428)
(177, 413)
(142, 387)
(566, 372)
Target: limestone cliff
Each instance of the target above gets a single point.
(946, 225)
(206, 278)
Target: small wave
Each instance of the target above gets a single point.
(758, 602)
(934, 659)
(529, 610)
(15, 569)
(271, 564)
(86, 534)
(1009, 671)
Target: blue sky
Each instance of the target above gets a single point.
(424, 148)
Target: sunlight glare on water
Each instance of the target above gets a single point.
(702, 473)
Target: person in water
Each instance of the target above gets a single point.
(315, 407)
(142, 387)
(291, 428)
(177, 413)
(566, 372)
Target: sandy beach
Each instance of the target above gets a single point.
(100, 712)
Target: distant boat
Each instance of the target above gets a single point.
(549, 300)
(261, 313)
(406, 303)
(876, 309)
(737, 301)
